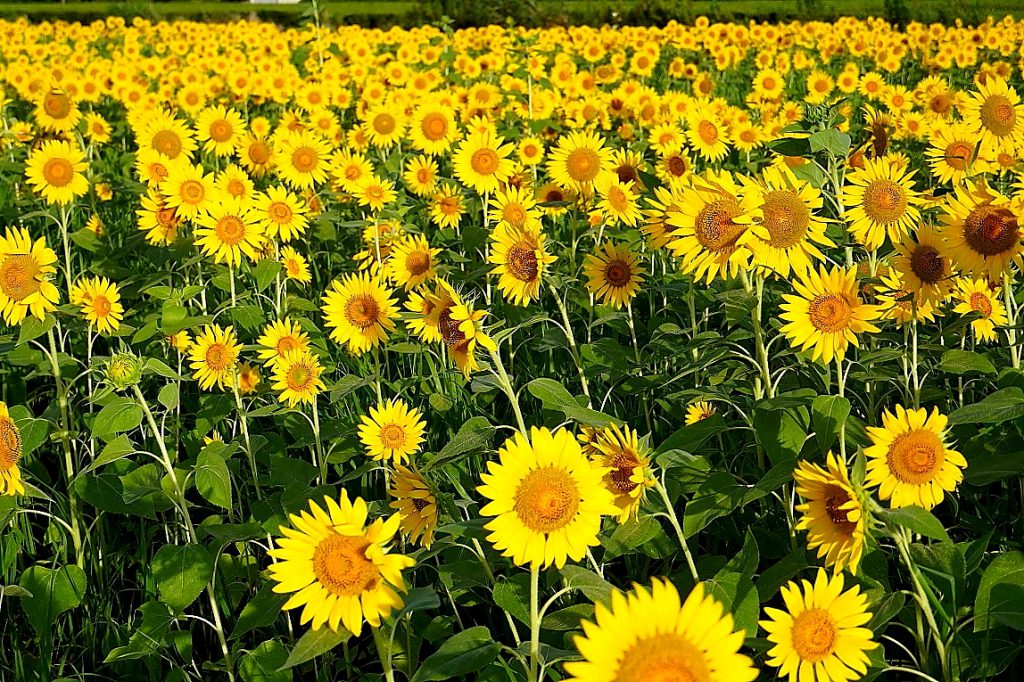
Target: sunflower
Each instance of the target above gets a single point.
(707, 136)
(880, 199)
(698, 411)
(57, 111)
(374, 192)
(420, 176)
(924, 266)
(55, 170)
(229, 230)
(163, 133)
(97, 130)
(520, 259)
(302, 159)
(651, 634)
(832, 513)
(628, 466)
(974, 296)
(214, 356)
(614, 274)
(617, 200)
(255, 154)
(349, 169)
(827, 313)
(433, 129)
(188, 190)
(896, 303)
(295, 265)
(530, 151)
(152, 167)
(360, 312)
(385, 126)
(909, 460)
(25, 271)
(297, 377)
(411, 262)
(157, 220)
(280, 213)
(340, 570)
(481, 162)
(982, 231)
(447, 206)
(235, 182)
(713, 215)
(578, 160)
(460, 327)
(516, 207)
(789, 234)
(546, 497)
(392, 431)
(280, 338)
(219, 129)
(952, 154)
(100, 302)
(820, 637)
(996, 116)
(10, 454)
(416, 504)
(666, 200)
(248, 378)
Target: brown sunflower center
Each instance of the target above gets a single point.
(835, 498)
(885, 201)
(362, 311)
(305, 159)
(814, 635)
(417, 263)
(915, 457)
(10, 443)
(285, 344)
(434, 126)
(623, 465)
(627, 173)
(714, 226)
(664, 657)
(168, 143)
(522, 262)
(280, 212)
(192, 192)
(341, 566)
(618, 273)
(981, 303)
(58, 172)
(583, 164)
(384, 123)
(941, 104)
(56, 104)
(829, 313)
(19, 276)
(707, 132)
(452, 336)
(419, 504)
(786, 218)
(928, 264)
(991, 230)
(547, 499)
(221, 131)
(958, 154)
(259, 152)
(167, 218)
(484, 161)
(677, 165)
(998, 116)
(392, 436)
(218, 357)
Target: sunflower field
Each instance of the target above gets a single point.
(685, 353)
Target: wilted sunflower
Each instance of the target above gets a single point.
(392, 431)
(975, 296)
(297, 377)
(880, 200)
(10, 454)
(416, 504)
(827, 313)
(25, 271)
(280, 213)
(831, 513)
(628, 467)
(982, 231)
(924, 266)
(481, 162)
(821, 636)
(698, 411)
(460, 327)
(789, 234)
(56, 171)
(521, 260)
(547, 499)
(340, 570)
(614, 274)
(412, 262)
(360, 312)
(713, 215)
(229, 230)
(214, 357)
(908, 458)
(101, 304)
(651, 634)
(578, 160)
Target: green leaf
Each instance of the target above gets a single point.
(989, 467)
(159, 367)
(780, 433)
(738, 595)
(630, 535)
(689, 438)
(554, 396)
(313, 644)
(831, 140)
(117, 416)
(261, 611)
(828, 413)
(52, 593)
(960, 362)
(32, 328)
(1005, 569)
(181, 572)
(593, 586)
(1003, 405)
(121, 446)
(473, 437)
(1008, 605)
(463, 654)
(265, 272)
(149, 637)
(513, 595)
(263, 664)
(213, 480)
(249, 317)
(918, 520)
(168, 396)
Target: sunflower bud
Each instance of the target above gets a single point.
(124, 370)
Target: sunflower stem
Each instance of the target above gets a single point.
(534, 623)
(1011, 328)
(321, 461)
(506, 385)
(243, 420)
(762, 350)
(571, 338)
(923, 601)
(913, 353)
(65, 439)
(674, 520)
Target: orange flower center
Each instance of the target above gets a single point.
(915, 457)
(305, 159)
(168, 143)
(547, 499)
(58, 172)
(417, 262)
(434, 126)
(221, 131)
(484, 161)
(981, 303)
(714, 226)
(786, 218)
(830, 313)
(341, 566)
(885, 201)
(362, 311)
(18, 276)
(583, 164)
(219, 357)
(664, 657)
(10, 444)
(230, 229)
(814, 635)
(998, 115)
(56, 104)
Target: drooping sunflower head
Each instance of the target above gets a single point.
(699, 411)
(832, 513)
(416, 503)
(10, 454)
(629, 476)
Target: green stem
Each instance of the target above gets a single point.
(506, 385)
(244, 421)
(571, 338)
(923, 602)
(65, 439)
(674, 520)
(762, 351)
(534, 623)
